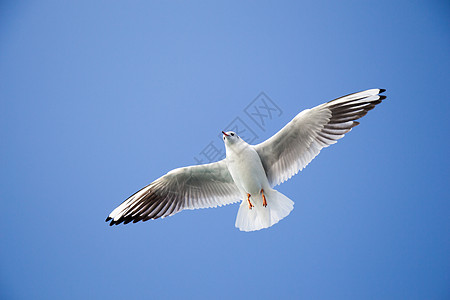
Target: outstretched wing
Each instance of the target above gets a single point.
(296, 144)
(191, 187)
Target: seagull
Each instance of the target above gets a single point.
(250, 172)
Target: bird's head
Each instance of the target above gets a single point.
(230, 137)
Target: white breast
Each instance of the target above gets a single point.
(246, 168)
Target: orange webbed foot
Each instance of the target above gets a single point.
(250, 205)
(264, 198)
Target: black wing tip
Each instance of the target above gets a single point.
(126, 220)
(355, 123)
(112, 221)
(382, 91)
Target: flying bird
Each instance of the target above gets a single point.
(250, 172)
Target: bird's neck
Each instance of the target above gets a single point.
(236, 148)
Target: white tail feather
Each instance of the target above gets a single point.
(278, 207)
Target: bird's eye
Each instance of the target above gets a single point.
(232, 134)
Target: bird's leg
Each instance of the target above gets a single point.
(250, 205)
(264, 198)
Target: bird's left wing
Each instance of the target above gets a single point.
(200, 186)
(295, 145)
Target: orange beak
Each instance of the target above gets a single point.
(225, 133)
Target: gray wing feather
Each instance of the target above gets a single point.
(300, 141)
(193, 187)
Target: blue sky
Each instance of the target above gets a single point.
(99, 98)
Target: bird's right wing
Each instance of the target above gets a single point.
(295, 145)
(200, 186)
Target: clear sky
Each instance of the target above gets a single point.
(99, 98)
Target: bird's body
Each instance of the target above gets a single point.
(245, 167)
(249, 172)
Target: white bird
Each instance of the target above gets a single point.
(249, 172)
